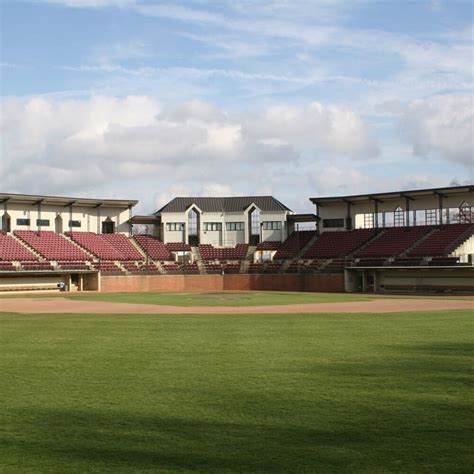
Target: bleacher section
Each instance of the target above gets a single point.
(443, 240)
(337, 244)
(269, 245)
(97, 245)
(394, 241)
(121, 243)
(294, 244)
(12, 250)
(52, 246)
(329, 253)
(208, 252)
(178, 247)
(153, 247)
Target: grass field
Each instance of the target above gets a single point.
(221, 298)
(214, 393)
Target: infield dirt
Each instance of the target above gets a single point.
(64, 305)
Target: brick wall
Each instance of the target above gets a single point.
(326, 283)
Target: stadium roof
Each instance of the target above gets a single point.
(412, 194)
(63, 200)
(224, 204)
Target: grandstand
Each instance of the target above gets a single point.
(362, 241)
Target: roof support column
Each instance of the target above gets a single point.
(440, 200)
(407, 207)
(376, 214)
(98, 217)
(130, 225)
(348, 216)
(70, 217)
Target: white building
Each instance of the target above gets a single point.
(61, 214)
(223, 221)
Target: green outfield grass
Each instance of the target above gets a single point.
(244, 393)
(221, 298)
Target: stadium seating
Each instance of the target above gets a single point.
(334, 244)
(190, 268)
(443, 240)
(172, 268)
(272, 267)
(35, 266)
(97, 245)
(394, 241)
(208, 252)
(294, 244)
(153, 247)
(178, 247)
(255, 267)
(51, 245)
(7, 267)
(73, 265)
(107, 267)
(269, 245)
(124, 246)
(443, 261)
(12, 250)
(232, 267)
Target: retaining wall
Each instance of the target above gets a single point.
(170, 283)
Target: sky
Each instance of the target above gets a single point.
(148, 100)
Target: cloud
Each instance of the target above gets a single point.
(92, 3)
(442, 126)
(63, 146)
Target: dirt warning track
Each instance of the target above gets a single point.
(65, 305)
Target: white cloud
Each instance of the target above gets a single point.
(441, 126)
(92, 3)
(333, 129)
(64, 146)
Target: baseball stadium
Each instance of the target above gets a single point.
(232, 334)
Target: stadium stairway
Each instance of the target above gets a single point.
(137, 247)
(351, 255)
(92, 256)
(198, 259)
(28, 247)
(418, 242)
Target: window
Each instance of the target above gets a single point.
(235, 226)
(399, 217)
(23, 222)
(333, 223)
(431, 216)
(465, 214)
(42, 222)
(368, 221)
(74, 223)
(212, 226)
(271, 225)
(175, 226)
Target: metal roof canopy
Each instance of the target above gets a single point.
(148, 219)
(303, 218)
(412, 194)
(65, 201)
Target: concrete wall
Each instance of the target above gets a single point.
(410, 279)
(164, 283)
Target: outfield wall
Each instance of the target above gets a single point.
(170, 283)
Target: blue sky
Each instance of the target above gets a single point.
(148, 99)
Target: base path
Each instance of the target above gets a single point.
(64, 305)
